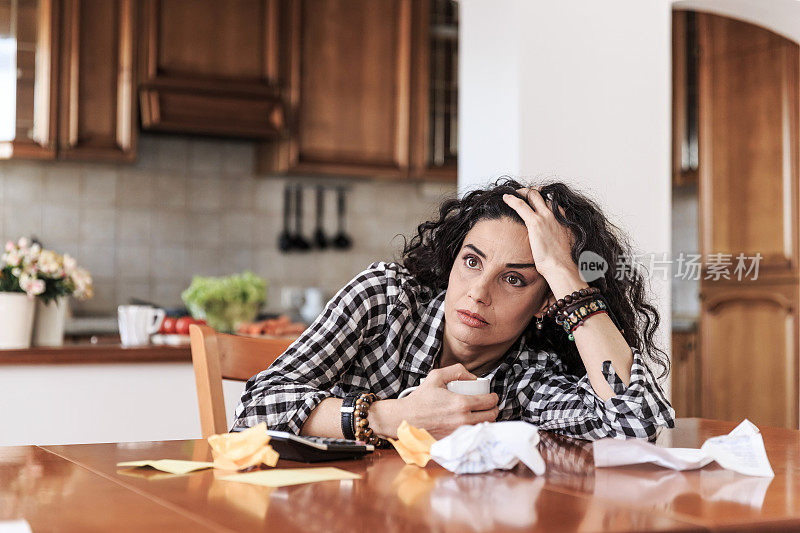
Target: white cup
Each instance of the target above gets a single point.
(468, 387)
(137, 322)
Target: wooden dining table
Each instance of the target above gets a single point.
(80, 488)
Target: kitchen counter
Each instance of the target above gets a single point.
(84, 352)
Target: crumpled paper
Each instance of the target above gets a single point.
(413, 444)
(741, 450)
(246, 449)
(473, 449)
(489, 446)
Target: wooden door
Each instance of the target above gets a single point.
(348, 89)
(748, 143)
(97, 106)
(749, 340)
(748, 109)
(212, 67)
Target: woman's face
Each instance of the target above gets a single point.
(494, 289)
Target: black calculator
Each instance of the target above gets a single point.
(316, 449)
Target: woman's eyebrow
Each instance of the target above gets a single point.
(509, 265)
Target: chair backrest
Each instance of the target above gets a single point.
(218, 356)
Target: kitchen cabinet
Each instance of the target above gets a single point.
(748, 187)
(74, 82)
(686, 372)
(97, 98)
(211, 67)
(685, 150)
(30, 119)
(434, 90)
(362, 97)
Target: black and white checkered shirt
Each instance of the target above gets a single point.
(376, 335)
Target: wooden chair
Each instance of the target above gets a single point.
(218, 356)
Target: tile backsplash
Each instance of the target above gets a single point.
(195, 206)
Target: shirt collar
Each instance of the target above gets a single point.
(426, 340)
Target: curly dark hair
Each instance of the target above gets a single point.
(431, 253)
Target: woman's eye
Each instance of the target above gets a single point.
(471, 262)
(514, 280)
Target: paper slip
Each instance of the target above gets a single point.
(282, 477)
(741, 450)
(15, 526)
(173, 466)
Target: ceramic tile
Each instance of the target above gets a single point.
(98, 225)
(60, 223)
(99, 187)
(132, 262)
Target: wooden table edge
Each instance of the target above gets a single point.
(159, 501)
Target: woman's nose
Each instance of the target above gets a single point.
(479, 291)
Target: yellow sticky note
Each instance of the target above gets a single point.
(173, 466)
(282, 477)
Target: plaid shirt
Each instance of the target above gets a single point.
(377, 335)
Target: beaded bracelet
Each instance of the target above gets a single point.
(363, 431)
(572, 319)
(577, 296)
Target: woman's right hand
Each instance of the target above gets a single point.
(431, 406)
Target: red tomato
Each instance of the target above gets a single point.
(182, 325)
(199, 322)
(167, 326)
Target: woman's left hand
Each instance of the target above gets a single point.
(551, 243)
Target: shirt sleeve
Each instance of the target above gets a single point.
(567, 404)
(286, 393)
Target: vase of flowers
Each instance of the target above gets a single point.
(45, 278)
(18, 289)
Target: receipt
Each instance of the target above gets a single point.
(741, 450)
(489, 446)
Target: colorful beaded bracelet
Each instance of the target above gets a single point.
(575, 317)
(577, 296)
(362, 430)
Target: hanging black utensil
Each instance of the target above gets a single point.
(320, 240)
(342, 240)
(285, 239)
(300, 243)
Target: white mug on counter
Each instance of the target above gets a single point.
(137, 323)
(467, 387)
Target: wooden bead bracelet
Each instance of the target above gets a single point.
(361, 424)
(576, 296)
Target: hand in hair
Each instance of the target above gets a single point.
(550, 241)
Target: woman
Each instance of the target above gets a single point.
(472, 297)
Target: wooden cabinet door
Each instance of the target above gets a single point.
(749, 346)
(34, 26)
(212, 67)
(686, 372)
(748, 91)
(434, 90)
(97, 86)
(348, 89)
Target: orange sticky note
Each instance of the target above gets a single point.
(413, 444)
(237, 451)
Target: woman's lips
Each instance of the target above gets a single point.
(473, 320)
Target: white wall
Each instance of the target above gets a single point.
(73, 404)
(592, 95)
